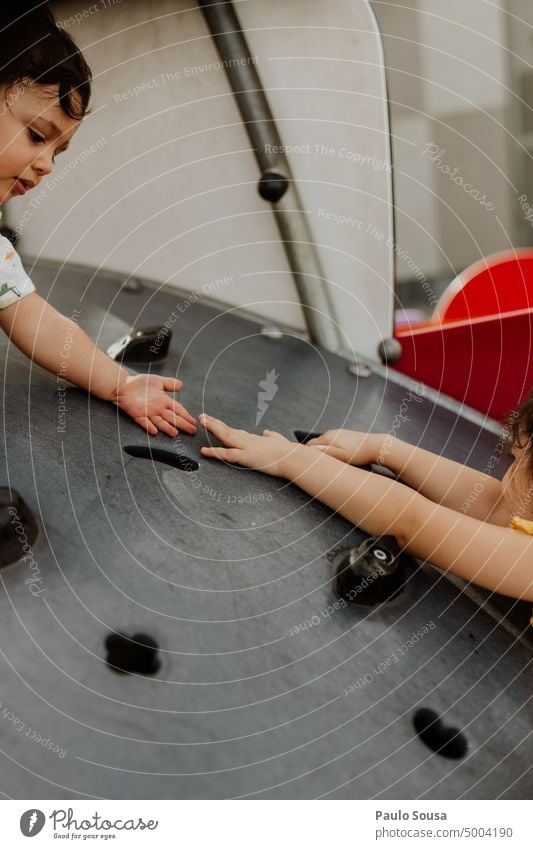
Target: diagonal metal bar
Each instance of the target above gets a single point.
(276, 183)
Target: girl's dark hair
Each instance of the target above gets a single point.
(520, 424)
(33, 47)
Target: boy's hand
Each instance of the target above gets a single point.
(266, 453)
(350, 446)
(144, 398)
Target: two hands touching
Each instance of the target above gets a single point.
(272, 453)
(144, 397)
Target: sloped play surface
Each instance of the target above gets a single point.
(183, 639)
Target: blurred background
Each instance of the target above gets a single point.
(460, 81)
(460, 85)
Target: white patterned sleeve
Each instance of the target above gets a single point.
(14, 282)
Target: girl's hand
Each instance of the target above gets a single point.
(144, 398)
(350, 446)
(266, 453)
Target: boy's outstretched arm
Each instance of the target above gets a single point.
(494, 557)
(40, 332)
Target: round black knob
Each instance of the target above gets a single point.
(272, 186)
(369, 574)
(389, 351)
(18, 528)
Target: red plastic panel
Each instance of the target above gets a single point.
(499, 283)
(486, 363)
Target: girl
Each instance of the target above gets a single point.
(45, 86)
(491, 545)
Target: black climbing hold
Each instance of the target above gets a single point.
(438, 736)
(10, 234)
(304, 436)
(370, 573)
(142, 345)
(162, 455)
(272, 186)
(136, 654)
(18, 527)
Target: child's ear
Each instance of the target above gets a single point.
(9, 94)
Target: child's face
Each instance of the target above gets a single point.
(33, 129)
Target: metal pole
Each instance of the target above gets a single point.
(276, 183)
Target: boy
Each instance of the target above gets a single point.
(45, 87)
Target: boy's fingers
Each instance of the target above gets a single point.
(179, 421)
(185, 425)
(146, 424)
(164, 426)
(170, 384)
(181, 411)
(167, 428)
(172, 418)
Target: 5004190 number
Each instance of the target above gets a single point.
(487, 832)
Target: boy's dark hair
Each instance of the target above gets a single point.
(33, 47)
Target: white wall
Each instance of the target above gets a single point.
(169, 191)
(450, 86)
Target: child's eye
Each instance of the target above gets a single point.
(35, 137)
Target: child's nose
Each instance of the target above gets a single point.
(44, 163)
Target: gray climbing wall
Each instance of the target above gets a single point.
(264, 689)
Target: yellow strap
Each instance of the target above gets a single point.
(521, 525)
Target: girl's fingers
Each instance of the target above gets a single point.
(332, 451)
(219, 453)
(146, 424)
(222, 431)
(319, 440)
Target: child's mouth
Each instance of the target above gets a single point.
(22, 186)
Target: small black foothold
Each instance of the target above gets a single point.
(438, 735)
(370, 573)
(142, 345)
(162, 455)
(304, 436)
(138, 654)
(272, 186)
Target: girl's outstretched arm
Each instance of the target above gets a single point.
(441, 480)
(42, 333)
(494, 557)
